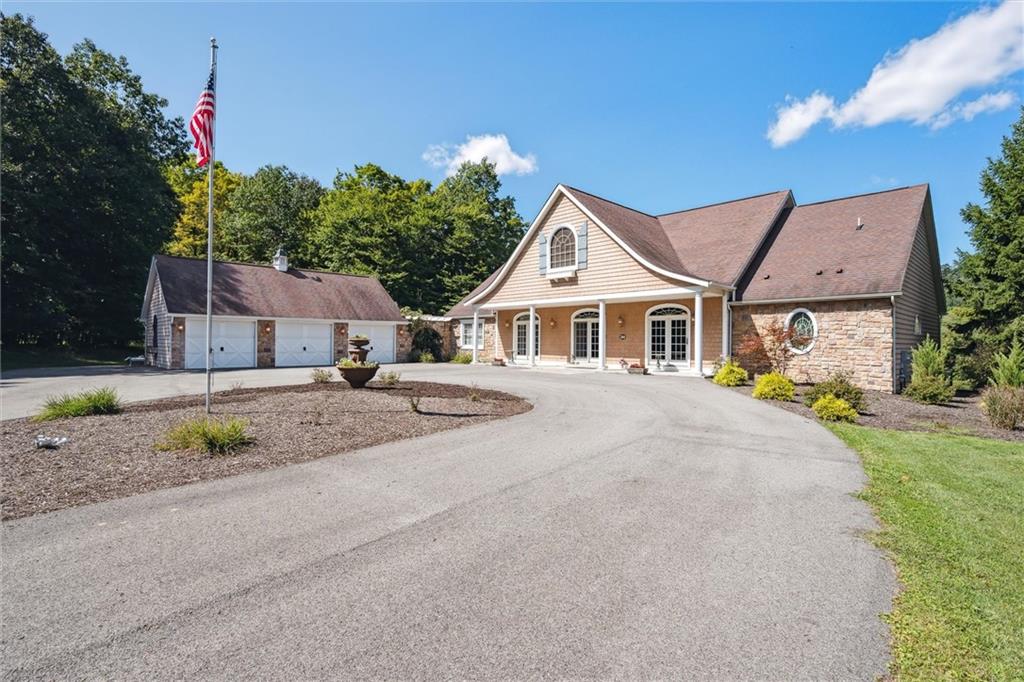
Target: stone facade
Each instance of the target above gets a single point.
(853, 336)
(454, 338)
(265, 334)
(403, 343)
(340, 340)
(177, 356)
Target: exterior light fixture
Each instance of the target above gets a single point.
(266, 329)
(620, 321)
(507, 323)
(181, 327)
(552, 322)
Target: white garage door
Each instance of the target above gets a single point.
(234, 344)
(302, 344)
(382, 340)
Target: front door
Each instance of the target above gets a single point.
(522, 331)
(668, 338)
(586, 337)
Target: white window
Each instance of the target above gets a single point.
(562, 252)
(804, 329)
(468, 336)
(917, 324)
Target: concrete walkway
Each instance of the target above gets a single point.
(626, 527)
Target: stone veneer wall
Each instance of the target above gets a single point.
(853, 336)
(340, 340)
(454, 339)
(177, 343)
(403, 343)
(266, 331)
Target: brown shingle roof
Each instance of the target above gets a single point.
(824, 236)
(462, 309)
(262, 291)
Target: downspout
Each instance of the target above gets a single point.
(895, 374)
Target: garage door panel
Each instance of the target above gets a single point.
(234, 344)
(300, 344)
(382, 340)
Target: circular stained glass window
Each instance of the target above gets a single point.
(802, 326)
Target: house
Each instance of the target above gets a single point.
(265, 316)
(596, 284)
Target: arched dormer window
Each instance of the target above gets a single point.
(562, 252)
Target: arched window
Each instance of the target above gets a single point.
(562, 253)
(804, 329)
(668, 337)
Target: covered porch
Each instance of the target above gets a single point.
(680, 331)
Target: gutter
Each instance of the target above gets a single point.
(804, 299)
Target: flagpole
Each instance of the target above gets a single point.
(209, 237)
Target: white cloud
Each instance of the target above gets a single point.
(495, 148)
(919, 82)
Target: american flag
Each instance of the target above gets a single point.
(201, 123)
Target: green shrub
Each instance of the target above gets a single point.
(349, 363)
(426, 339)
(927, 360)
(1008, 369)
(389, 378)
(774, 386)
(212, 436)
(840, 386)
(95, 401)
(426, 356)
(930, 390)
(830, 408)
(463, 358)
(730, 374)
(1003, 405)
(321, 376)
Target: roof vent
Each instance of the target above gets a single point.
(767, 276)
(860, 223)
(839, 271)
(281, 260)
(818, 272)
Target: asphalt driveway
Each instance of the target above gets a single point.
(626, 527)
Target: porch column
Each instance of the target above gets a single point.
(726, 347)
(531, 336)
(602, 320)
(476, 334)
(497, 330)
(698, 332)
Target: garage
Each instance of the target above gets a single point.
(234, 344)
(382, 340)
(303, 344)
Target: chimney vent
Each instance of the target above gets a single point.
(860, 223)
(281, 260)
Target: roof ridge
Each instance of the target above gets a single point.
(263, 265)
(865, 194)
(628, 208)
(721, 203)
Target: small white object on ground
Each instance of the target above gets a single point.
(50, 442)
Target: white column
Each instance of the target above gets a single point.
(497, 330)
(476, 335)
(531, 336)
(698, 331)
(602, 327)
(726, 349)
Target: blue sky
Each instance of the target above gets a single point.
(660, 107)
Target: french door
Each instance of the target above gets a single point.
(668, 337)
(586, 336)
(520, 345)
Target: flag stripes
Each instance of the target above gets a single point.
(201, 123)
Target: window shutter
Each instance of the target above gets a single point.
(581, 247)
(542, 249)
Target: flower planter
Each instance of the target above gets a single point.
(498, 362)
(357, 376)
(637, 370)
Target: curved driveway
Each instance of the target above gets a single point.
(626, 527)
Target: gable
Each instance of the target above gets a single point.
(609, 268)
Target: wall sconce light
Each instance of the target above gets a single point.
(507, 323)
(181, 327)
(552, 322)
(620, 321)
(266, 329)
(622, 337)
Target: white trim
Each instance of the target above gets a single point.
(814, 324)
(568, 270)
(647, 332)
(698, 332)
(624, 297)
(561, 190)
(802, 299)
(572, 333)
(247, 318)
(515, 344)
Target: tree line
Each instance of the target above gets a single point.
(97, 178)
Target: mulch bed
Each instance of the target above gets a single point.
(888, 411)
(112, 456)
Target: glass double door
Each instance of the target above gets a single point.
(586, 338)
(668, 337)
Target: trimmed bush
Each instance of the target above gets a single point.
(1008, 369)
(1004, 406)
(730, 374)
(774, 386)
(321, 376)
(829, 408)
(840, 386)
(83, 404)
(349, 363)
(463, 358)
(930, 390)
(212, 436)
(389, 378)
(928, 359)
(426, 356)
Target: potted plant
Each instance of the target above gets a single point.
(498, 362)
(636, 368)
(357, 372)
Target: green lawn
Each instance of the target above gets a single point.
(20, 357)
(952, 513)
